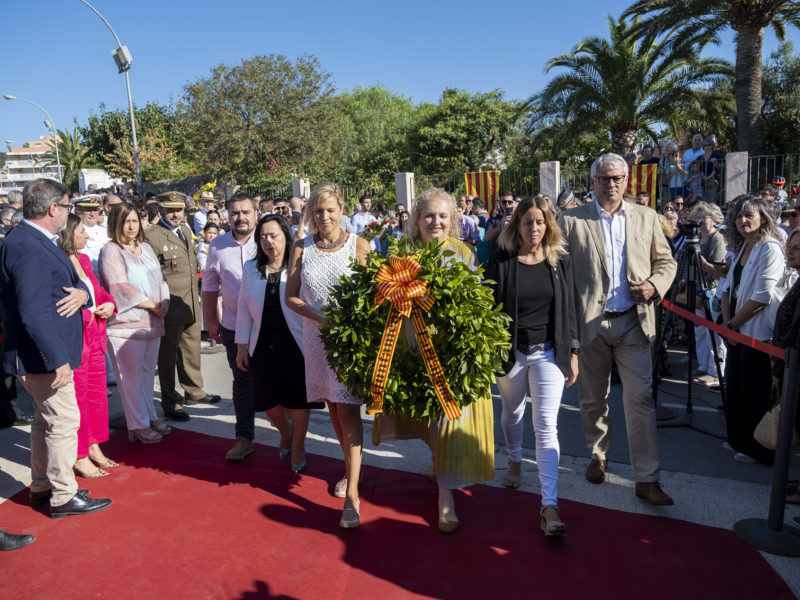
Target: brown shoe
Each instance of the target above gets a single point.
(653, 494)
(596, 471)
(241, 448)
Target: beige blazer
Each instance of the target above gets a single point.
(648, 254)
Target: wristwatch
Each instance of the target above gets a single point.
(729, 326)
(576, 351)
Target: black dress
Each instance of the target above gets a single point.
(277, 367)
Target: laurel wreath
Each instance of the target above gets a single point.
(469, 333)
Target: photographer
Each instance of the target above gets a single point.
(704, 217)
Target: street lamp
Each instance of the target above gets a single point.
(122, 57)
(50, 124)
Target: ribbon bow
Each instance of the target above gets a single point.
(398, 283)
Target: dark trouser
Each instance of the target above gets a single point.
(242, 390)
(748, 385)
(180, 347)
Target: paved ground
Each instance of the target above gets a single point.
(709, 487)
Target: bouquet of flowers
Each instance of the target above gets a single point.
(206, 187)
(449, 356)
(375, 229)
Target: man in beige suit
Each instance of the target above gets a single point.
(622, 267)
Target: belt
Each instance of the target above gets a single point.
(613, 315)
(531, 348)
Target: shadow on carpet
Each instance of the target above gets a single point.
(187, 524)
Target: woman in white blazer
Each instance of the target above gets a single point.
(751, 288)
(268, 337)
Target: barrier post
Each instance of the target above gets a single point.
(770, 535)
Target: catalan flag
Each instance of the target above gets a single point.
(644, 178)
(484, 184)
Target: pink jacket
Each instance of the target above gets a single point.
(101, 297)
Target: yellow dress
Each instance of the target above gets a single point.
(463, 449)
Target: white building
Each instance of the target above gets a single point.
(26, 164)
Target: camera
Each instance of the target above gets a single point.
(690, 230)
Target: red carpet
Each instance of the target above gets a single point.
(185, 524)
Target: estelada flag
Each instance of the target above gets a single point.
(484, 184)
(644, 178)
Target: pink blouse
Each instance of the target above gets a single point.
(132, 280)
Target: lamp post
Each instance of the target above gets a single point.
(122, 57)
(50, 124)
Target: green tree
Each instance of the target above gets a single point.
(704, 20)
(463, 132)
(624, 85)
(163, 150)
(72, 154)
(258, 122)
(375, 126)
(781, 107)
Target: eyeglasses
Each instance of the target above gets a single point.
(66, 205)
(507, 202)
(608, 178)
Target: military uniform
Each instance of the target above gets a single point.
(180, 345)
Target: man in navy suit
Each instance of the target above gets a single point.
(42, 296)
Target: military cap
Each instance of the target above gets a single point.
(89, 202)
(171, 200)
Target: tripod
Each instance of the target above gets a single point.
(695, 281)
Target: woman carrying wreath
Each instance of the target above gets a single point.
(315, 266)
(533, 276)
(463, 449)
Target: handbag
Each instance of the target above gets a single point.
(766, 432)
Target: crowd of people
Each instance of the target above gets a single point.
(580, 280)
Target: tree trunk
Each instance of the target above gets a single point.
(623, 140)
(749, 42)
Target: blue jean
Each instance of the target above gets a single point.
(242, 390)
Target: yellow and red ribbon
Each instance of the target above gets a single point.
(398, 283)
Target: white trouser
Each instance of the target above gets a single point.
(703, 349)
(134, 363)
(539, 373)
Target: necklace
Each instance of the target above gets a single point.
(273, 281)
(329, 245)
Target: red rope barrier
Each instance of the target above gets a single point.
(726, 332)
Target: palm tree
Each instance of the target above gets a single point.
(749, 19)
(72, 153)
(623, 85)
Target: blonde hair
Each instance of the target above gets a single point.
(421, 202)
(553, 241)
(666, 224)
(319, 194)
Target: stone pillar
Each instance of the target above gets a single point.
(550, 179)
(737, 165)
(301, 188)
(404, 184)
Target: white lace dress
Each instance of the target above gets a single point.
(320, 272)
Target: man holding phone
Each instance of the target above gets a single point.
(495, 225)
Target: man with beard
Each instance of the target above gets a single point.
(180, 346)
(226, 256)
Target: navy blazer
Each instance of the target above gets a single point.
(33, 271)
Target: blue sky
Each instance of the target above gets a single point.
(57, 52)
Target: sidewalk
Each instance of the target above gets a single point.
(709, 488)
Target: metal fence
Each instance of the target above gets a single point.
(762, 170)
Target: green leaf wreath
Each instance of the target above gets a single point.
(469, 333)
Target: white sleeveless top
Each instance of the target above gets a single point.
(319, 273)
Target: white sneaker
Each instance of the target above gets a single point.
(743, 458)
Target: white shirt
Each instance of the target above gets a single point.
(619, 297)
(690, 156)
(200, 219)
(97, 238)
(361, 220)
(226, 258)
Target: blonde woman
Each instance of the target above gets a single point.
(533, 276)
(316, 264)
(463, 449)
